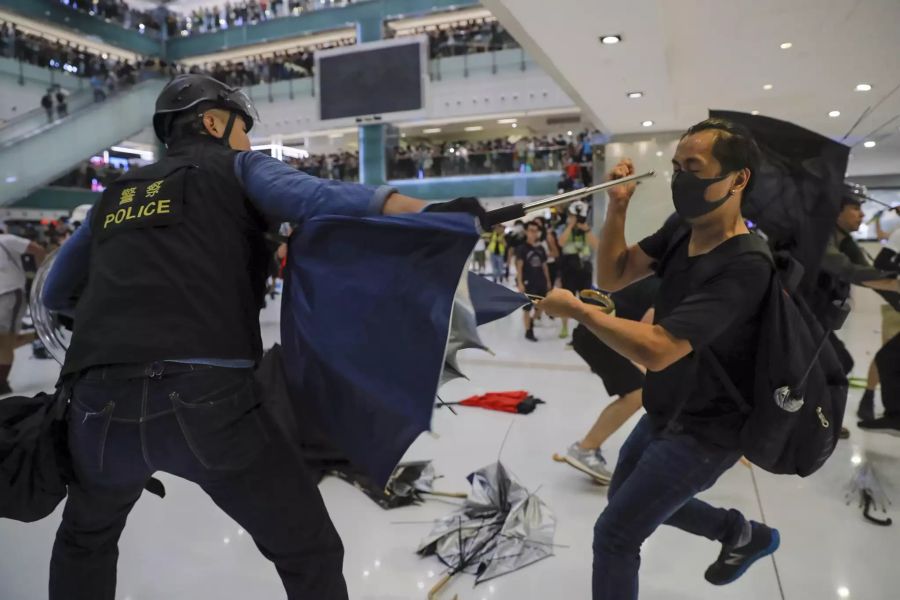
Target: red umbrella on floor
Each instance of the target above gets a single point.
(512, 402)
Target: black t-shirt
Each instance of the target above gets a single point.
(722, 314)
(533, 260)
(633, 301)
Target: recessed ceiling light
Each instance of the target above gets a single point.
(863, 87)
(633, 95)
(473, 128)
(506, 121)
(786, 45)
(432, 130)
(514, 125)
(768, 86)
(834, 113)
(610, 39)
(869, 144)
(754, 112)
(647, 123)
(843, 592)
(659, 152)
(569, 132)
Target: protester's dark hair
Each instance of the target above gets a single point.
(734, 148)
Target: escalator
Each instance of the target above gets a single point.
(33, 156)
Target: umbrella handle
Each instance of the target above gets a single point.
(448, 494)
(867, 506)
(436, 589)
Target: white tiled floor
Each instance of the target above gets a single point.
(183, 548)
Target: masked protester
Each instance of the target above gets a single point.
(691, 433)
(174, 260)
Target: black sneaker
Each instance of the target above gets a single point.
(866, 410)
(734, 562)
(889, 424)
(529, 335)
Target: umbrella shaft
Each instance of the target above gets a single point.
(576, 194)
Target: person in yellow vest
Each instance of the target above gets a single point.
(497, 251)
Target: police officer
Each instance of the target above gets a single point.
(173, 264)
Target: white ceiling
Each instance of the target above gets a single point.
(691, 55)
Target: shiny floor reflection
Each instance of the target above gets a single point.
(184, 548)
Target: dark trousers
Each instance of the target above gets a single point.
(206, 426)
(888, 361)
(655, 482)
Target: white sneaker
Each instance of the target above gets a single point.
(591, 460)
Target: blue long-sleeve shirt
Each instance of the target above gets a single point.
(276, 189)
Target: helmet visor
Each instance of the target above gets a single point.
(240, 101)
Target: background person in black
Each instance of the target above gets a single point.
(622, 379)
(532, 274)
(671, 457)
(845, 264)
(166, 336)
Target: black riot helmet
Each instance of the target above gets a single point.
(199, 93)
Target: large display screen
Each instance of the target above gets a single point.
(375, 79)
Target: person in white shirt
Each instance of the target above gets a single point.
(12, 299)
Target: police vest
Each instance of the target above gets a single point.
(178, 265)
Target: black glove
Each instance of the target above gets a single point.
(464, 205)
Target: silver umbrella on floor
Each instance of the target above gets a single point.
(865, 487)
(500, 528)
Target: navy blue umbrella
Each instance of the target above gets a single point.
(365, 326)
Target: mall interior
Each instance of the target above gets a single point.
(355, 104)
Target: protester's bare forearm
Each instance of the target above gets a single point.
(398, 204)
(883, 285)
(612, 251)
(646, 344)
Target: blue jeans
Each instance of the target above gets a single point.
(655, 482)
(498, 268)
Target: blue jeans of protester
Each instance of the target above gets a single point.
(205, 425)
(655, 481)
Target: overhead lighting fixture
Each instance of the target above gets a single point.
(768, 86)
(647, 123)
(869, 144)
(786, 45)
(507, 121)
(634, 95)
(610, 39)
(863, 87)
(432, 130)
(515, 125)
(569, 132)
(843, 592)
(834, 113)
(754, 112)
(473, 128)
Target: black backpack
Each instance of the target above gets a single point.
(800, 391)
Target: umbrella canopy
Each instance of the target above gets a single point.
(477, 301)
(797, 193)
(519, 401)
(865, 487)
(501, 528)
(365, 323)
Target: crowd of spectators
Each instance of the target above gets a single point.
(475, 35)
(340, 166)
(211, 18)
(571, 154)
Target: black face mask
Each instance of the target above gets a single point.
(688, 194)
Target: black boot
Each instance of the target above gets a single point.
(866, 410)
